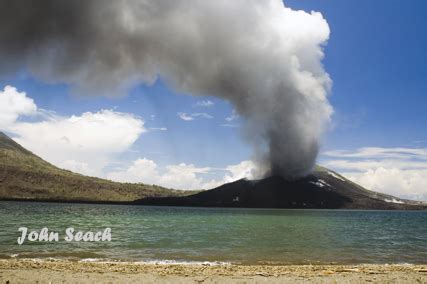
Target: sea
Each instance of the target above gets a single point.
(216, 235)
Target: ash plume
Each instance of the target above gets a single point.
(261, 56)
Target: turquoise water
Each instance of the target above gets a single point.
(247, 236)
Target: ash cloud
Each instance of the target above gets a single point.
(261, 56)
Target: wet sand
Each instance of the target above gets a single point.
(38, 271)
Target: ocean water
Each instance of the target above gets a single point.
(245, 236)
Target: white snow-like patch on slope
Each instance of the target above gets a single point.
(394, 200)
(320, 183)
(336, 176)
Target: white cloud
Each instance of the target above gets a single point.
(189, 117)
(377, 152)
(410, 184)
(158, 128)
(362, 165)
(83, 143)
(397, 171)
(233, 116)
(12, 105)
(181, 176)
(89, 138)
(141, 170)
(202, 115)
(245, 169)
(185, 116)
(204, 103)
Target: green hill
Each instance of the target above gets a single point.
(25, 176)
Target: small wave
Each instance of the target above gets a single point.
(179, 262)
(158, 262)
(403, 263)
(100, 260)
(35, 259)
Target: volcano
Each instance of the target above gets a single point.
(323, 189)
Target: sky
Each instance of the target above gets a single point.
(377, 135)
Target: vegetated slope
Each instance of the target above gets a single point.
(25, 176)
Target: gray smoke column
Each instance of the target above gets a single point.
(261, 56)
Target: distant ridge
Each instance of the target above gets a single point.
(323, 189)
(25, 176)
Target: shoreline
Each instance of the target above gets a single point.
(44, 271)
(423, 205)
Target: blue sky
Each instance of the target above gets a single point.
(375, 57)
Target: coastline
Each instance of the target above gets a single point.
(45, 271)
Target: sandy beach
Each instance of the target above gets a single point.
(38, 271)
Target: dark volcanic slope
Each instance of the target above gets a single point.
(24, 176)
(322, 189)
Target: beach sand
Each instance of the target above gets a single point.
(55, 271)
